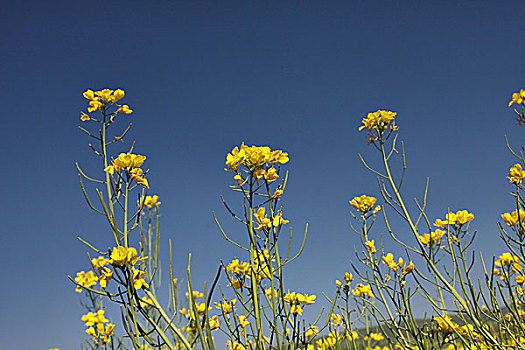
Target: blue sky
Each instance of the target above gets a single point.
(203, 77)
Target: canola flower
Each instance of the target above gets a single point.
(151, 201)
(363, 291)
(513, 219)
(388, 260)
(254, 157)
(457, 219)
(102, 331)
(430, 239)
(131, 164)
(105, 98)
(364, 204)
(516, 174)
(518, 98)
(84, 279)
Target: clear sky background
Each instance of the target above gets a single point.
(201, 78)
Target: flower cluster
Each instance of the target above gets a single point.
(297, 301)
(121, 255)
(104, 98)
(516, 174)
(458, 219)
(432, 238)
(151, 201)
(84, 279)
(131, 164)
(448, 326)
(254, 157)
(102, 330)
(379, 121)
(513, 219)
(363, 291)
(364, 204)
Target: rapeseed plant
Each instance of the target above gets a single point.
(254, 309)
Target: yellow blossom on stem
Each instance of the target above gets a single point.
(242, 321)
(84, 279)
(516, 174)
(363, 204)
(306, 299)
(389, 261)
(432, 238)
(505, 259)
(518, 98)
(124, 109)
(363, 291)
(378, 120)
(152, 201)
(512, 219)
(370, 246)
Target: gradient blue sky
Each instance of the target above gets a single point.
(203, 77)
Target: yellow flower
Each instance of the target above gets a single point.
(378, 120)
(512, 219)
(408, 269)
(271, 175)
(520, 279)
(226, 307)
(94, 105)
(432, 238)
(516, 174)
(99, 262)
(124, 109)
(255, 158)
(235, 346)
(363, 203)
(375, 336)
(104, 278)
(306, 299)
(312, 331)
(84, 117)
(89, 95)
(505, 259)
(278, 219)
(518, 98)
(363, 291)
(296, 309)
(264, 222)
(83, 279)
(138, 279)
(118, 94)
(389, 261)
(463, 216)
(215, 323)
(152, 201)
(242, 321)
(105, 95)
(337, 320)
(129, 160)
(371, 247)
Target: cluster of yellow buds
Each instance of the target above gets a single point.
(254, 157)
(104, 98)
(84, 279)
(516, 174)
(151, 201)
(364, 204)
(458, 219)
(102, 330)
(131, 163)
